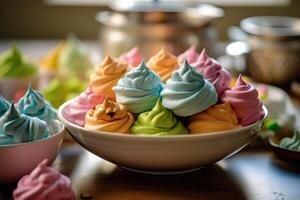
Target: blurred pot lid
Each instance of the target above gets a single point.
(275, 27)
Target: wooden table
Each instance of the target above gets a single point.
(249, 175)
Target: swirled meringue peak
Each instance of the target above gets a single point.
(219, 117)
(109, 116)
(213, 72)
(163, 64)
(106, 76)
(76, 110)
(44, 183)
(158, 121)
(33, 104)
(244, 100)
(187, 92)
(132, 57)
(22, 128)
(4, 105)
(292, 143)
(139, 90)
(190, 54)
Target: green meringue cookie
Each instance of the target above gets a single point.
(159, 121)
(14, 65)
(292, 143)
(74, 59)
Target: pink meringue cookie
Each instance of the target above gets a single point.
(44, 183)
(190, 54)
(245, 102)
(213, 72)
(76, 110)
(132, 57)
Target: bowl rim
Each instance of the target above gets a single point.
(115, 134)
(61, 131)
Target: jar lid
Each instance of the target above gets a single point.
(276, 27)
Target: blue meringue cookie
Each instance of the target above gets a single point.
(139, 89)
(18, 128)
(33, 104)
(4, 105)
(187, 92)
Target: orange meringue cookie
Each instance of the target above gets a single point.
(109, 116)
(163, 64)
(106, 76)
(219, 117)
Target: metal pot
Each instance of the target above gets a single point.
(274, 41)
(155, 24)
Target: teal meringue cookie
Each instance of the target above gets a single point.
(292, 143)
(139, 90)
(187, 92)
(4, 105)
(33, 104)
(18, 128)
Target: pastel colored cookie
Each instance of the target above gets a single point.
(107, 75)
(190, 54)
(33, 104)
(244, 100)
(163, 64)
(219, 117)
(76, 110)
(187, 92)
(213, 72)
(22, 128)
(109, 116)
(44, 183)
(292, 143)
(132, 57)
(139, 90)
(158, 121)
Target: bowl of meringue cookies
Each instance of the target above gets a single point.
(29, 133)
(166, 115)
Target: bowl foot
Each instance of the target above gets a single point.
(161, 172)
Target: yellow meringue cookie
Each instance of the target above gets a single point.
(109, 116)
(163, 64)
(50, 61)
(219, 117)
(106, 76)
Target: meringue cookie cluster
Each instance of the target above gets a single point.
(152, 98)
(27, 121)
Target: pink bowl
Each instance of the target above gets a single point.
(18, 160)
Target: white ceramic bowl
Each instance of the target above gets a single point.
(18, 160)
(162, 154)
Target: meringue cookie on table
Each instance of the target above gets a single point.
(139, 90)
(163, 64)
(106, 76)
(132, 57)
(219, 117)
(4, 105)
(76, 110)
(187, 92)
(190, 54)
(33, 104)
(158, 121)
(213, 72)
(109, 116)
(22, 128)
(244, 100)
(44, 183)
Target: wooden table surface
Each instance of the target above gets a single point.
(249, 175)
